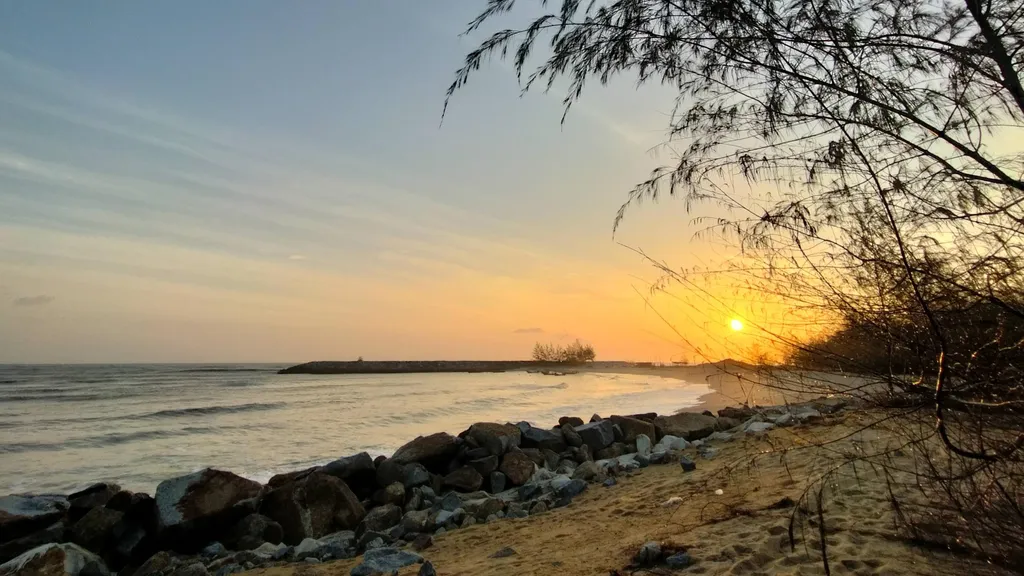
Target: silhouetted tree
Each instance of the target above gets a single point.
(574, 353)
(878, 149)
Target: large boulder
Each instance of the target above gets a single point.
(464, 479)
(193, 509)
(688, 425)
(485, 465)
(358, 472)
(573, 421)
(572, 438)
(517, 467)
(389, 472)
(597, 435)
(23, 515)
(540, 438)
(55, 560)
(95, 530)
(84, 500)
(633, 427)
(283, 478)
(48, 535)
(433, 451)
(496, 438)
(253, 531)
(315, 506)
(414, 475)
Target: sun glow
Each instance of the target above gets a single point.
(736, 324)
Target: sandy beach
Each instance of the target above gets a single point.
(742, 531)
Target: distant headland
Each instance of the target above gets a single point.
(410, 366)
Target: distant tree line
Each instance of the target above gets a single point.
(574, 353)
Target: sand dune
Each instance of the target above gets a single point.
(742, 531)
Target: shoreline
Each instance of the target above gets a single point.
(488, 471)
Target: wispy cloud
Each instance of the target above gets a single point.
(40, 300)
(296, 257)
(528, 331)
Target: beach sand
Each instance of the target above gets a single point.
(743, 531)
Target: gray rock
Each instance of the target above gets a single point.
(550, 458)
(687, 464)
(572, 438)
(268, 550)
(504, 552)
(571, 489)
(539, 508)
(517, 467)
(381, 518)
(679, 560)
(191, 569)
(427, 569)
(388, 472)
(428, 493)
(95, 530)
(632, 428)
(648, 554)
(415, 474)
(305, 548)
(500, 514)
(498, 481)
(312, 507)
(395, 494)
(529, 491)
(422, 542)
(311, 560)
(467, 522)
(416, 521)
(464, 479)
(229, 569)
(440, 531)
(540, 438)
(375, 543)
(193, 507)
(641, 460)
(449, 502)
(214, 549)
(571, 421)
(369, 536)
(588, 472)
(484, 507)
(485, 465)
(23, 515)
(254, 528)
(595, 418)
(758, 428)
(643, 445)
(56, 560)
(609, 483)
(496, 438)
(415, 501)
(433, 450)
(357, 471)
(491, 518)
(518, 514)
(443, 517)
(688, 425)
(707, 452)
(598, 434)
(84, 500)
(659, 457)
(613, 451)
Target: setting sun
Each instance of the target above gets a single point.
(735, 324)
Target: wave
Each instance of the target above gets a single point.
(112, 439)
(207, 410)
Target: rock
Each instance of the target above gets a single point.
(23, 515)
(416, 521)
(641, 460)
(229, 569)
(464, 479)
(191, 569)
(485, 465)
(422, 542)
(539, 508)
(758, 428)
(658, 457)
(504, 552)
(315, 506)
(725, 423)
(307, 547)
(195, 508)
(572, 438)
(440, 531)
(598, 434)
(614, 451)
(394, 494)
(535, 455)
(415, 501)
(679, 561)
(498, 481)
(476, 454)
(427, 569)
(288, 477)
(449, 502)
(588, 472)
(268, 550)
(648, 554)
(55, 560)
(633, 427)
(14, 548)
(517, 467)
(687, 425)
(385, 561)
(369, 536)
(738, 413)
(719, 436)
(551, 458)
(707, 452)
(95, 530)
(540, 438)
(84, 500)
(214, 550)
(252, 531)
(829, 405)
(467, 522)
(358, 472)
(670, 442)
(571, 489)
(415, 475)
(584, 454)
(484, 507)
(381, 518)
(783, 420)
(375, 543)
(807, 415)
(617, 432)
(571, 421)
(687, 464)
(643, 445)
(609, 483)
(389, 472)
(433, 451)
(595, 418)
(156, 564)
(528, 491)
(496, 438)
(567, 467)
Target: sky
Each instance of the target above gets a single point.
(262, 181)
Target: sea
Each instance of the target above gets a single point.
(65, 427)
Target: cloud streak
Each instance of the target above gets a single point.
(40, 300)
(528, 331)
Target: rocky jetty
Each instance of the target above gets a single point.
(213, 522)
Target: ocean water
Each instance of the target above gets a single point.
(65, 427)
